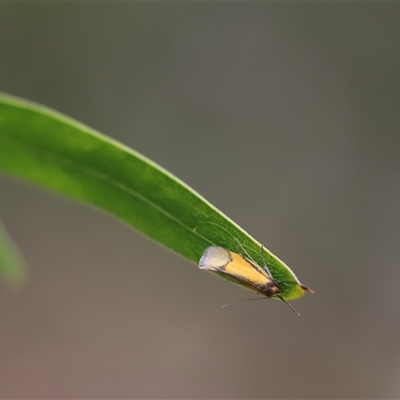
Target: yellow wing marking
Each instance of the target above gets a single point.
(243, 270)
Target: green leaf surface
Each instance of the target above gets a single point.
(12, 264)
(46, 148)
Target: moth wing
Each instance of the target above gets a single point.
(247, 272)
(215, 258)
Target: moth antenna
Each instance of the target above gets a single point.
(241, 301)
(243, 250)
(245, 253)
(294, 310)
(262, 298)
(265, 263)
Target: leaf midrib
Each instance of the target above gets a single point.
(101, 177)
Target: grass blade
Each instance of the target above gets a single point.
(46, 148)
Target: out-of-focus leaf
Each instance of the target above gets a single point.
(12, 265)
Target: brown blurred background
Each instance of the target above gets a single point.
(286, 117)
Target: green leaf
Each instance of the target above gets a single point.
(44, 147)
(12, 270)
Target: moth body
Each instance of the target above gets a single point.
(240, 270)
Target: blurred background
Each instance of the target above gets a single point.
(284, 116)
